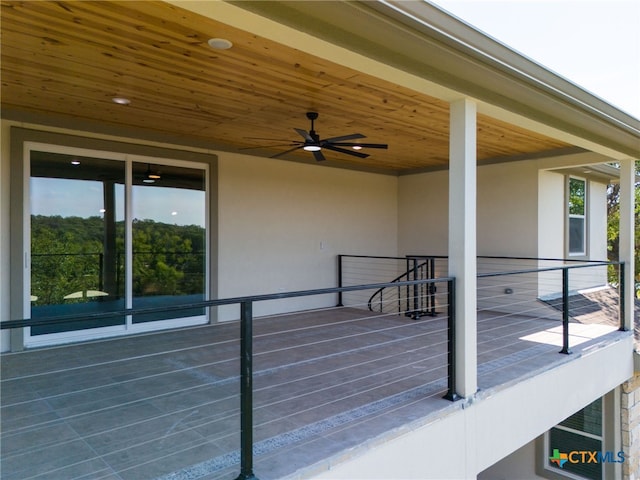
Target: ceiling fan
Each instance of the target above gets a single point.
(314, 144)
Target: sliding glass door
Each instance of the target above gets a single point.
(110, 232)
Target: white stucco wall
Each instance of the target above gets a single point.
(520, 212)
(519, 465)
(282, 225)
(507, 211)
(551, 200)
(423, 214)
(597, 221)
(552, 232)
(551, 222)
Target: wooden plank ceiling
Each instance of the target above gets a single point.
(70, 58)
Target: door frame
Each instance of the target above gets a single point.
(22, 142)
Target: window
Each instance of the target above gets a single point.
(577, 216)
(581, 432)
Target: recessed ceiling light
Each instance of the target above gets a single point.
(121, 100)
(75, 162)
(220, 43)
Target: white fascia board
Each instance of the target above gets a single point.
(504, 78)
(463, 36)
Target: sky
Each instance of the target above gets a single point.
(592, 43)
(82, 198)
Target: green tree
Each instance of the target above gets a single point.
(613, 226)
(67, 255)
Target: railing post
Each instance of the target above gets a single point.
(622, 296)
(432, 286)
(408, 288)
(246, 392)
(340, 281)
(451, 343)
(565, 311)
(416, 292)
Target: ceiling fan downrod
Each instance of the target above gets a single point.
(312, 133)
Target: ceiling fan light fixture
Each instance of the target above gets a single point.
(150, 176)
(357, 147)
(312, 148)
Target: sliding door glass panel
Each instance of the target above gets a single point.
(77, 240)
(168, 230)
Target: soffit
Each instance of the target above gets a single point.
(63, 62)
(598, 173)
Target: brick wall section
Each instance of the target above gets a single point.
(630, 413)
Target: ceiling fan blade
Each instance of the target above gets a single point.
(304, 134)
(363, 145)
(285, 152)
(290, 144)
(329, 146)
(353, 136)
(318, 156)
(271, 139)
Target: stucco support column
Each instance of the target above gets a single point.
(462, 240)
(627, 235)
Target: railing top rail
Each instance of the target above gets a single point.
(543, 259)
(373, 256)
(493, 257)
(545, 269)
(29, 322)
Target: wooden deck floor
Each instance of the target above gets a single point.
(166, 405)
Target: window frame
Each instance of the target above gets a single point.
(584, 217)
(610, 438)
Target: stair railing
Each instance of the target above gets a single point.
(419, 299)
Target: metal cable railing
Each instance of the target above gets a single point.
(287, 379)
(397, 356)
(513, 293)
